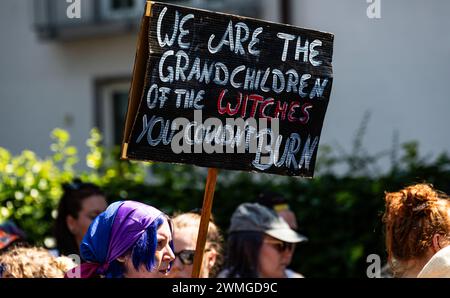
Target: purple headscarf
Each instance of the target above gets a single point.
(113, 233)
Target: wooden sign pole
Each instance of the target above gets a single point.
(204, 221)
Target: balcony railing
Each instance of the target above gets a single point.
(113, 17)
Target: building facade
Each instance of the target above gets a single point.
(74, 73)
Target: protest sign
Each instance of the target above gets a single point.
(224, 91)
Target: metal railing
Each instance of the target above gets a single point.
(52, 21)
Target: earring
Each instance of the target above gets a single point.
(121, 259)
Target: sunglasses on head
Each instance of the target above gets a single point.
(280, 246)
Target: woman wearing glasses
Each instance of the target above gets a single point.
(278, 203)
(79, 205)
(259, 243)
(186, 228)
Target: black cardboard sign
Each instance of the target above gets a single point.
(224, 91)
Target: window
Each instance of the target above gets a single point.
(112, 104)
(120, 105)
(122, 9)
(122, 4)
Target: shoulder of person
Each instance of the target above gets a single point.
(293, 274)
(225, 273)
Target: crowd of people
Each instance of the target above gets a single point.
(130, 239)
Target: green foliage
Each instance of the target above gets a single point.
(339, 210)
(30, 187)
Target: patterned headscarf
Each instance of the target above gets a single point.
(113, 233)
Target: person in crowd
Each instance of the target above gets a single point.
(259, 243)
(30, 262)
(10, 235)
(186, 226)
(417, 228)
(79, 205)
(279, 204)
(129, 239)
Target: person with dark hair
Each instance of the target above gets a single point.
(242, 255)
(129, 239)
(259, 243)
(417, 228)
(79, 205)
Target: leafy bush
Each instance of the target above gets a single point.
(340, 213)
(30, 187)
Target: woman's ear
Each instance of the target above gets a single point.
(71, 223)
(437, 246)
(211, 259)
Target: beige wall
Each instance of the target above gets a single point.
(41, 83)
(397, 67)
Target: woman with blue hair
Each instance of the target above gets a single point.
(129, 239)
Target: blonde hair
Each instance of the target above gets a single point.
(214, 239)
(28, 262)
(413, 216)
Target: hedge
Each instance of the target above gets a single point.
(339, 210)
